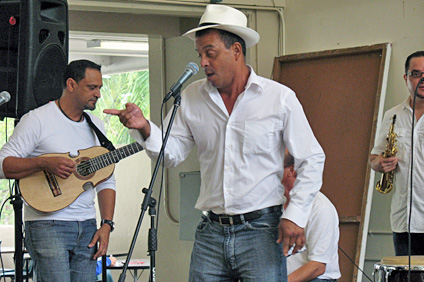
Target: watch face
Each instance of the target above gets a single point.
(110, 223)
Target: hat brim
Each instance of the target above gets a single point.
(249, 36)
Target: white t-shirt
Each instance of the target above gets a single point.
(47, 130)
(322, 239)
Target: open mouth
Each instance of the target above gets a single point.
(209, 75)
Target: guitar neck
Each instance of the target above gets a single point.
(99, 162)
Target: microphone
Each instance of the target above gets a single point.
(190, 70)
(4, 97)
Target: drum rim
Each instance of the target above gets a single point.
(380, 266)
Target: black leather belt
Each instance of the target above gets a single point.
(226, 219)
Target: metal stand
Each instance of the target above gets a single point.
(153, 238)
(150, 202)
(19, 254)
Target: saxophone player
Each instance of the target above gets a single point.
(401, 163)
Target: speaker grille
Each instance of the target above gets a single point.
(47, 84)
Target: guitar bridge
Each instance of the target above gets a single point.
(54, 186)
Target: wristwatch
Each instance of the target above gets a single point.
(110, 223)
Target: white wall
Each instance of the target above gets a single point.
(7, 237)
(322, 25)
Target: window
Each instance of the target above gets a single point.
(117, 90)
(7, 213)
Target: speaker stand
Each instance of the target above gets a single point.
(19, 254)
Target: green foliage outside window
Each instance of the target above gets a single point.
(117, 90)
(6, 129)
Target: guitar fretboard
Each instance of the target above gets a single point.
(87, 167)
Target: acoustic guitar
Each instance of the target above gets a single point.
(46, 192)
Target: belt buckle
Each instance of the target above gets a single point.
(230, 220)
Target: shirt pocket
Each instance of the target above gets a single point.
(259, 137)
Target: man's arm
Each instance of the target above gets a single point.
(381, 164)
(106, 199)
(307, 272)
(309, 164)
(132, 117)
(17, 168)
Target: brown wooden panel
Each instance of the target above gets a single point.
(348, 245)
(340, 93)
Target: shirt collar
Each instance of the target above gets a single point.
(407, 104)
(253, 80)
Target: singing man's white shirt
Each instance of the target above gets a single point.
(241, 155)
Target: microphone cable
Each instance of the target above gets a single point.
(354, 264)
(163, 166)
(411, 176)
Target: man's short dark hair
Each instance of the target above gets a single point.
(227, 37)
(76, 70)
(288, 160)
(413, 55)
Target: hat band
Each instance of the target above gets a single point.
(205, 24)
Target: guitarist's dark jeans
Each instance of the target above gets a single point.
(59, 249)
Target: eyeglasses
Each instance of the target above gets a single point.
(415, 73)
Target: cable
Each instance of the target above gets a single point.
(354, 263)
(411, 176)
(167, 209)
(163, 168)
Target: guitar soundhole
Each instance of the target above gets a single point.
(84, 168)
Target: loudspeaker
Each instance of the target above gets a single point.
(34, 43)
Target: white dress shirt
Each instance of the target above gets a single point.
(401, 192)
(241, 155)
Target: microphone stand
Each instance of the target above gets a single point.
(151, 202)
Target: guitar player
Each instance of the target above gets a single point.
(64, 244)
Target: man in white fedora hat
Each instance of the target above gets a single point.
(241, 123)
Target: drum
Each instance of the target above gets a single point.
(395, 269)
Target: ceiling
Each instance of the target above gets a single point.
(112, 60)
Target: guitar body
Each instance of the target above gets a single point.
(47, 193)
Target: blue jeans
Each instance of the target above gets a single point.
(59, 249)
(246, 252)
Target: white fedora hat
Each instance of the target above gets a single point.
(225, 18)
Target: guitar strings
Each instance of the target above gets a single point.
(86, 166)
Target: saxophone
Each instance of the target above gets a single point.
(385, 185)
